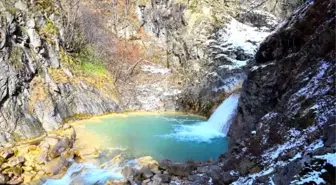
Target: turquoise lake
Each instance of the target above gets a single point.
(177, 137)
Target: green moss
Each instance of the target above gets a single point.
(15, 57)
(48, 31)
(45, 5)
(85, 60)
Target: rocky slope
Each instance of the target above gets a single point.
(41, 84)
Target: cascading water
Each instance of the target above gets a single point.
(221, 118)
(217, 126)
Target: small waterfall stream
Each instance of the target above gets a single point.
(221, 119)
(217, 126)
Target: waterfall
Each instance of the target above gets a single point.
(221, 119)
(217, 126)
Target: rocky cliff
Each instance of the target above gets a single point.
(42, 82)
(284, 132)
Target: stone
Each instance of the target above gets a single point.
(161, 178)
(202, 169)
(181, 169)
(17, 160)
(21, 6)
(27, 168)
(42, 158)
(52, 141)
(329, 132)
(7, 153)
(228, 177)
(66, 126)
(30, 23)
(15, 181)
(28, 177)
(3, 179)
(164, 164)
(34, 38)
(145, 182)
(156, 171)
(147, 161)
(60, 147)
(55, 166)
(85, 153)
(128, 172)
(146, 172)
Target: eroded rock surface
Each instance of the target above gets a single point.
(37, 89)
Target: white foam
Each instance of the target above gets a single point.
(86, 173)
(217, 126)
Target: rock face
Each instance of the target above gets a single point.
(208, 43)
(38, 89)
(287, 104)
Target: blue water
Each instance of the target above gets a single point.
(163, 136)
(148, 135)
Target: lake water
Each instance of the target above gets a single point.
(177, 137)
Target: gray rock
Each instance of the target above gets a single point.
(180, 169)
(3, 179)
(42, 158)
(21, 6)
(329, 132)
(34, 38)
(55, 166)
(17, 160)
(51, 141)
(146, 172)
(62, 145)
(129, 173)
(6, 153)
(160, 179)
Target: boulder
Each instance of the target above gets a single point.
(17, 160)
(60, 147)
(86, 153)
(146, 172)
(164, 164)
(15, 181)
(147, 161)
(42, 158)
(329, 132)
(181, 169)
(51, 141)
(21, 6)
(129, 173)
(3, 179)
(6, 153)
(55, 166)
(160, 179)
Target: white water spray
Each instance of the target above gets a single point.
(217, 126)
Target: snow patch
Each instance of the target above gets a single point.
(155, 69)
(329, 157)
(313, 176)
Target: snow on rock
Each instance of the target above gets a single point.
(155, 69)
(313, 176)
(239, 35)
(315, 145)
(235, 44)
(250, 178)
(329, 157)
